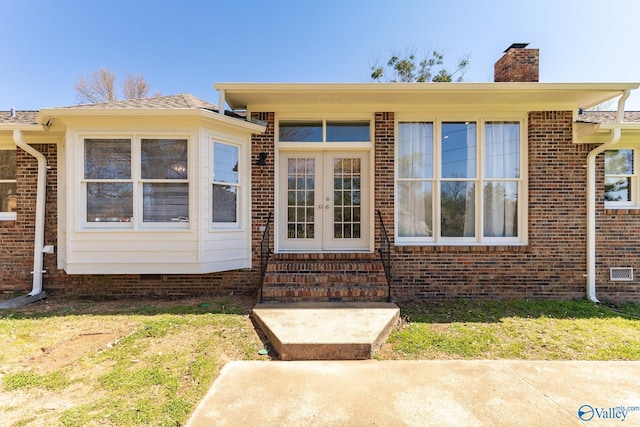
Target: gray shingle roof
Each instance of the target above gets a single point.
(182, 101)
(20, 117)
(607, 116)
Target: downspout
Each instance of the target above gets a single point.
(38, 247)
(591, 198)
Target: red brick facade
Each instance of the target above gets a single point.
(552, 264)
(517, 65)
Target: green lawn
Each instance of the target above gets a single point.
(540, 330)
(78, 363)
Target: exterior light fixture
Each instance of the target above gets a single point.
(262, 159)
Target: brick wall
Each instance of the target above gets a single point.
(552, 265)
(617, 245)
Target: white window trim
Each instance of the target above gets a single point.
(226, 226)
(479, 239)
(635, 181)
(137, 224)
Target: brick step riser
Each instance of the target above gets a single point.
(323, 294)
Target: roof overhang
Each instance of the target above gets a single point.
(410, 96)
(46, 115)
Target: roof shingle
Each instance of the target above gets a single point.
(19, 117)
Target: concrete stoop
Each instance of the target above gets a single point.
(326, 331)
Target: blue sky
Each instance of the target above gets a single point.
(187, 46)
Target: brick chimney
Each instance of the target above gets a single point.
(517, 64)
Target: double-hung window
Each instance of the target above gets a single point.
(226, 184)
(459, 182)
(8, 185)
(620, 178)
(136, 182)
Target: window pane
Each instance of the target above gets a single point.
(500, 209)
(502, 150)
(225, 201)
(109, 202)
(348, 131)
(301, 131)
(458, 209)
(617, 189)
(415, 212)
(415, 150)
(8, 199)
(225, 163)
(165, 203)
(107, 158)
(618, 162)
(7, 164)
(164, 159)
(459, 150)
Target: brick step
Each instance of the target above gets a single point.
(324, 293)
(324, 277)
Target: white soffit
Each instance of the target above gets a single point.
(399, 96)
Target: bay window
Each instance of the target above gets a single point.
(458, 182)
(8, 184)
(131, 182)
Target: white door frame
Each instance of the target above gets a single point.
(324, 241)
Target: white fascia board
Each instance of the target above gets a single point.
(569, 96)
(46, 115)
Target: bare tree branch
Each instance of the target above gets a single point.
(98, 88)
(134, 87)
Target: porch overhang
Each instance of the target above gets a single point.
(372, 97)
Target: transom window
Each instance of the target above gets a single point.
(135, 181)
(620, 178)
(459, 181)
(324, 131)
(226, 184)
(8, 184)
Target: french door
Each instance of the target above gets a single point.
(324, 201)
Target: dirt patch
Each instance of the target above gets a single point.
(39, 342)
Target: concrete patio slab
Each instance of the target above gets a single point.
(423, 393)
(326, 331)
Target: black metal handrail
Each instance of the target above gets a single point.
(265, 251)
(385, 254)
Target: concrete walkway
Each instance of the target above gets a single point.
(423, 393)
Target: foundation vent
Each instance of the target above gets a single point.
(621, 274)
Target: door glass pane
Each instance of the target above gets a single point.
(457, 205)
(300, 131)
(459, 150)
(347, 179)
(348, 131)
(300, 198)
(500, 209)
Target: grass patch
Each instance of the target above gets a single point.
(155, 373)
(529, 330)
(26, 380)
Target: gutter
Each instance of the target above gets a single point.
(591, 197)
(38, 247)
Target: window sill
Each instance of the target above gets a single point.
(511, 248)
(627, 210)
